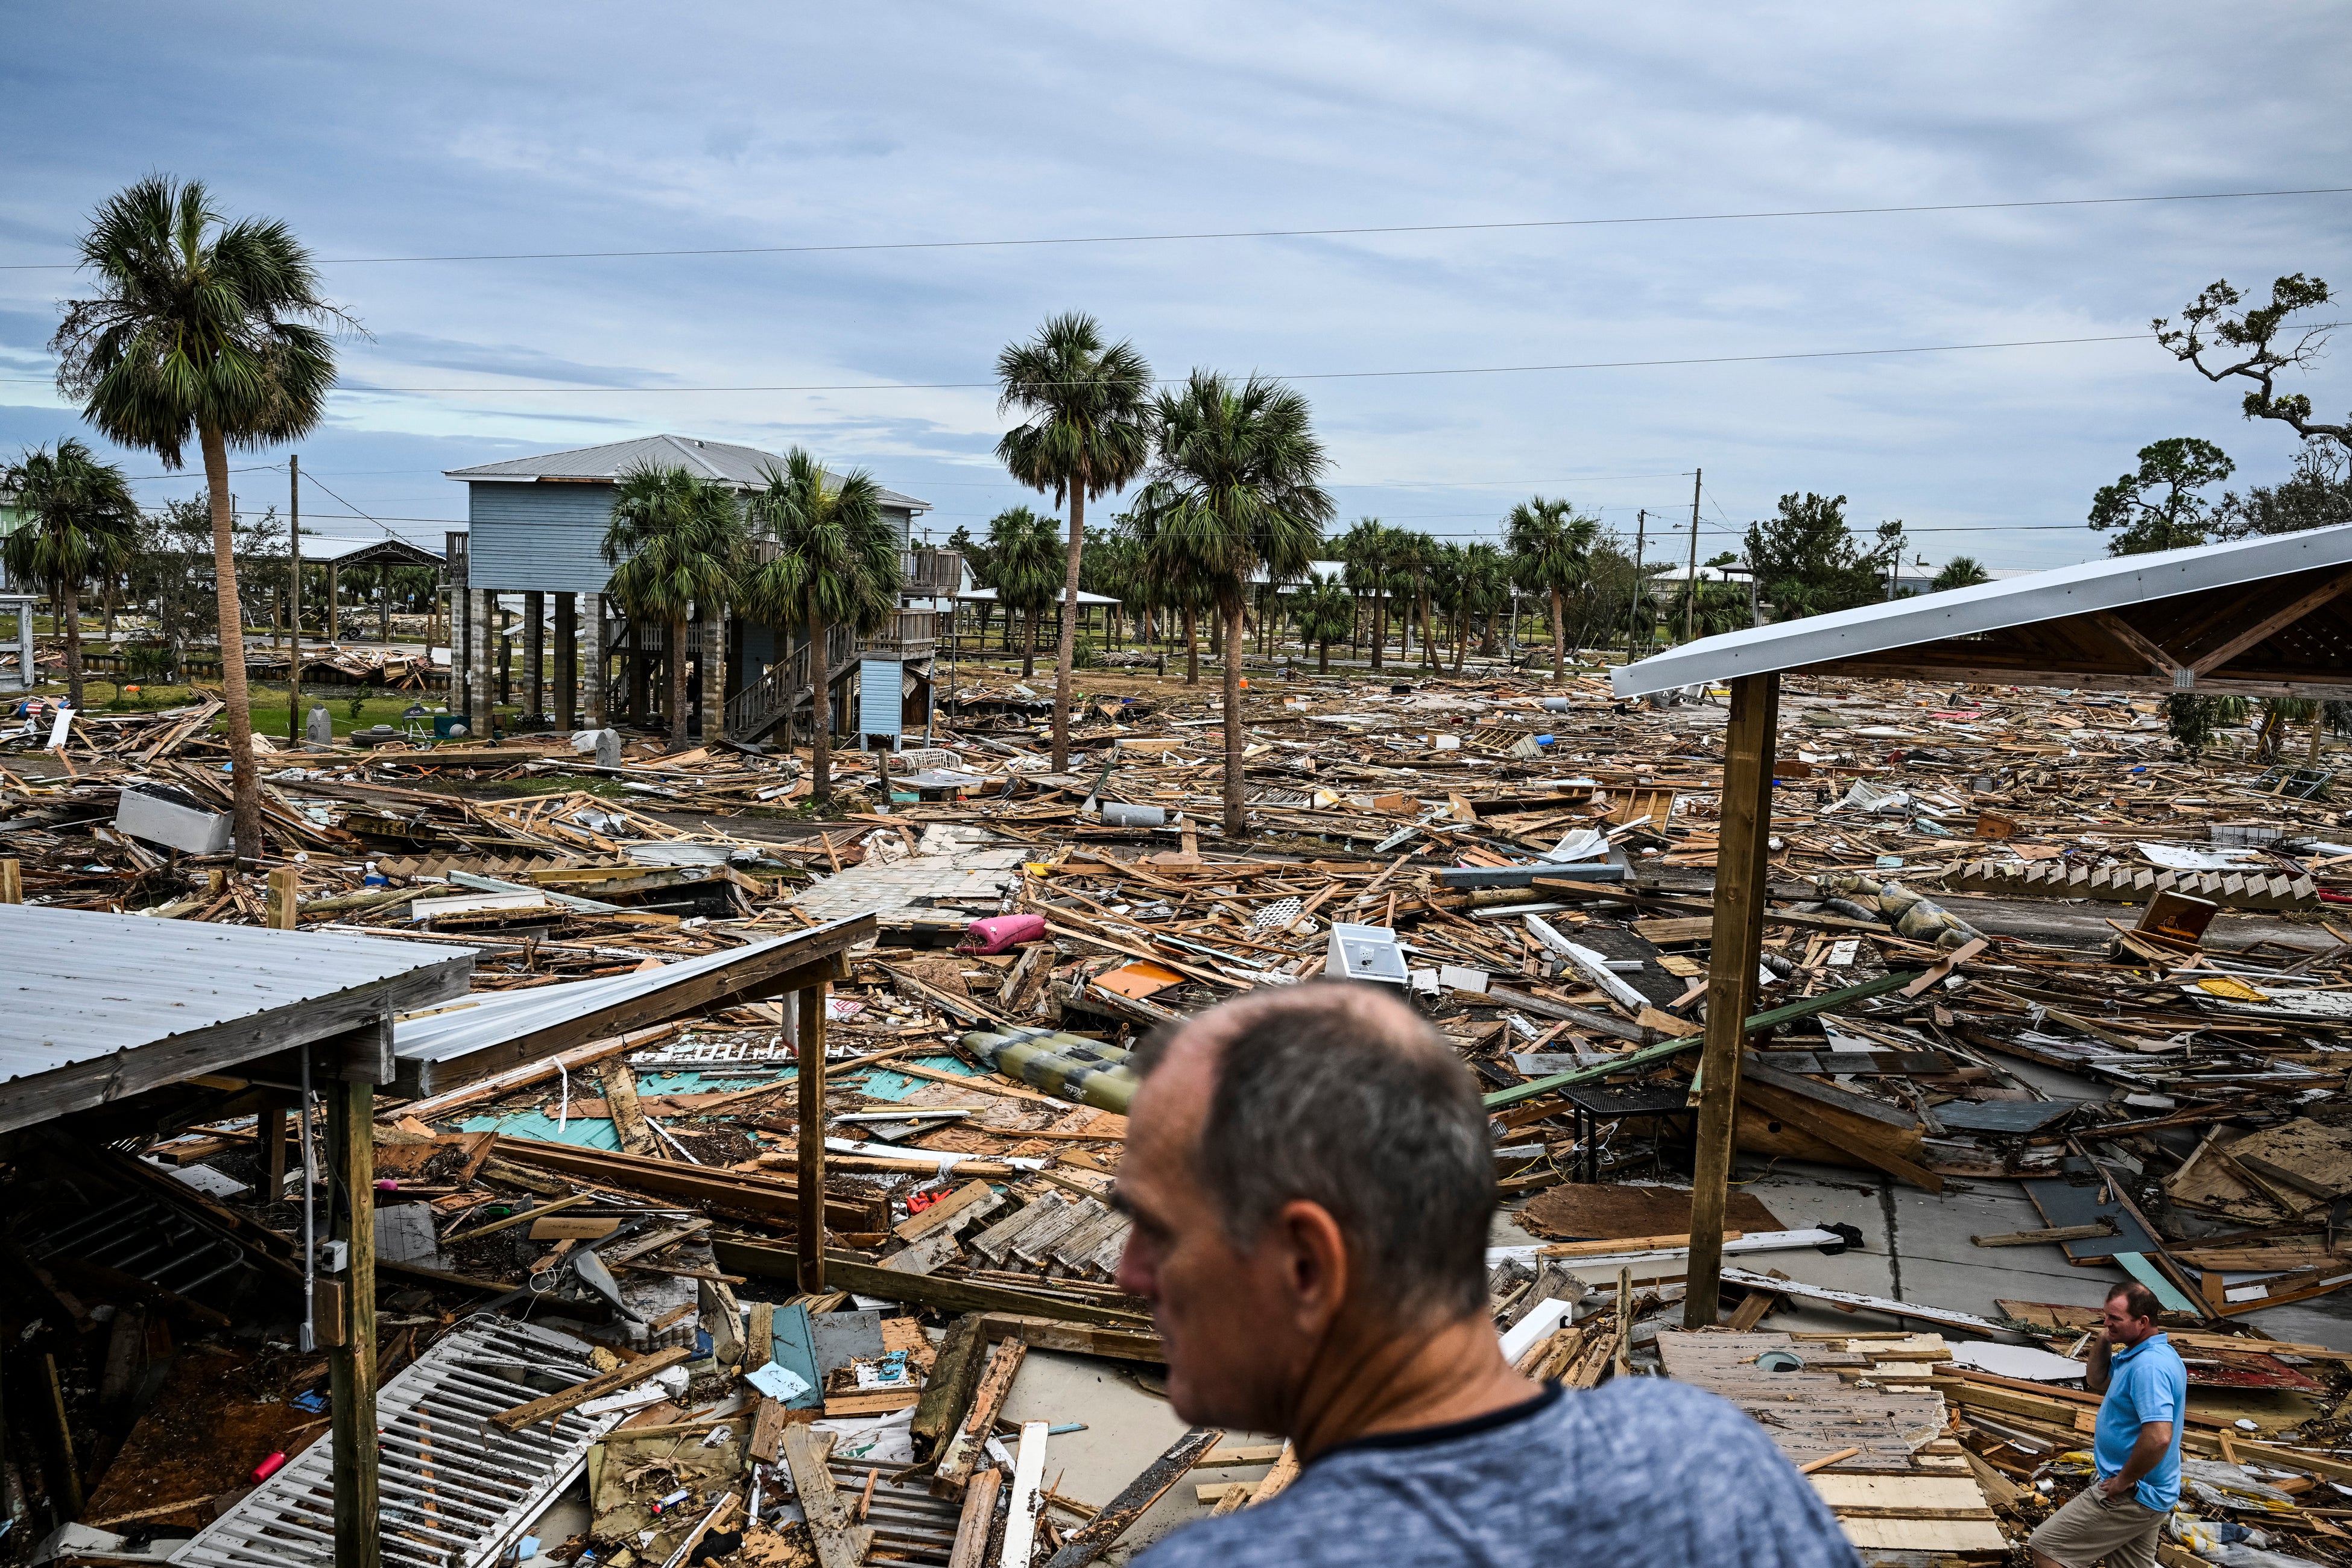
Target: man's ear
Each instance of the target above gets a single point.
(1314, 1263)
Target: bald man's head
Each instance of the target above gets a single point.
(1339, 1095)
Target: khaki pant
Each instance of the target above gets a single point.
(2094, 1527)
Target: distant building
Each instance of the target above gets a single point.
(535, 529)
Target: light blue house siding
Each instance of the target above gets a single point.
(544, 536)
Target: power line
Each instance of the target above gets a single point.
(1358, 231)
(1303, 375)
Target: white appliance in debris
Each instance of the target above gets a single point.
(1365, 952)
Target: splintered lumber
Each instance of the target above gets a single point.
(947, 1392)
(843, 1272)
(841, 1540)
(549, 1406)
(2052, 1233)
(962, 1453)
(1285, 1472)
(1076, 1338)
(771, 1197)
(1856, 1300)
(620, 1100)
(956, 1202)
(1098, 1535)
(974, 1524)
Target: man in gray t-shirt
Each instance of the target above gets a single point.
(1310, 1178)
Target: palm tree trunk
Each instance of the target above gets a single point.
(1559, 649)
(1029, 663)
(820, 708)
(1234, 824)
(1061, 659)
(677, 684)
(70, 621)
(245, 780)
(1461, 639)
(1380, 628)
(1428, 648)
(1191, 648)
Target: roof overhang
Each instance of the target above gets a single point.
(2265, 617)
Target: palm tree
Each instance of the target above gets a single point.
(1234, 480)
(1415, 554)
(1084, 433)
(203, 327)
(675, 543)
(1325, 611)
(1369, 550)
(1026, 555)
(1960, 572)
(1550, 550)
(1171, 579)
(80, 519)
(834, 561)
(1485, 591)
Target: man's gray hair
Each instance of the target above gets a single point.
(1338, 1094)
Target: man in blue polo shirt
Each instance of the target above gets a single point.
(2117, 1518)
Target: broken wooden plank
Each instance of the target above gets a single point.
(548, 1406)
(962, 1453)
(841, 1540)
(1102, 1531)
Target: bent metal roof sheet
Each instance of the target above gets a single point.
(2119, 584)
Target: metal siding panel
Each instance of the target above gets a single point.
(879, 701)
(541, 538)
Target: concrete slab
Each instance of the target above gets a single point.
(1127, 1429)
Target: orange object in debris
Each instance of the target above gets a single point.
(1138, 980)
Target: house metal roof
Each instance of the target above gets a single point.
(321, 549)
(721, 460)
(1951, 619)
(97, 1006)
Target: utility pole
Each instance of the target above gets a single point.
(294, 602)
(1690, 587)
(1633, 620)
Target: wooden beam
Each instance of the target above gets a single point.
(747, 1191)
(811, 1085)
(531, 1412)
(843, 1273)
(2276, 621)
(351, 1371)
(961, 1455)
(841, 1540)
(2159, 657)
(1745, 828)
(1982, 670)
(1098, 1535)
(1806, 1117)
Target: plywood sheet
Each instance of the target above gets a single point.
(1608, 1211)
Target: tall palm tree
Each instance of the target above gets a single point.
(675, 543)
(1236, 479)
(1485, 575)
(1325, 611)
(1025, 553)
(205, 327)
(80, 520)
(1173, 580)
(1085, 432)
(1369, 550)
(1550, 550)
(830, 559)
(1416, 553)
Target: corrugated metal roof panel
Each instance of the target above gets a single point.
(721, 460)
(2124, 580)
(82, 986)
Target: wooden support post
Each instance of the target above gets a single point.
(333, 599)
(285, 883)
(1745, 830)
(600, 675)
(714, 677)
(535, 654)
(505, 640)
(69, 1473)
(477, 666)
(811, 1173)
(567, 661)
(350, 1136)
(273, 1149)
(12, 881)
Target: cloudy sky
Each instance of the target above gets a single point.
(445, 131)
